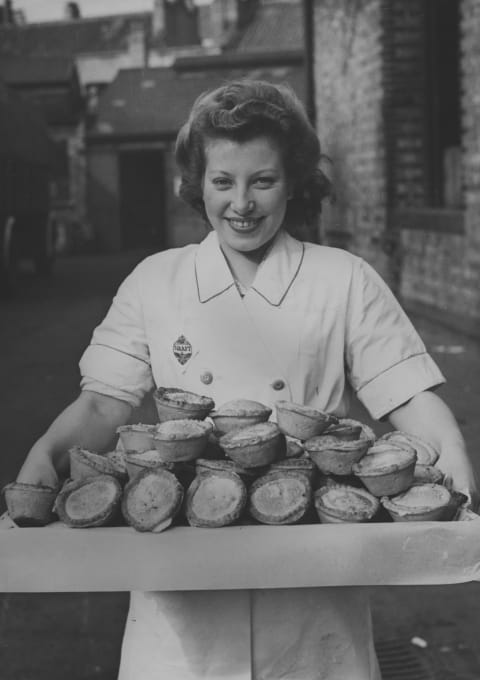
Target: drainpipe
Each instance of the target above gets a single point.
(309, 30)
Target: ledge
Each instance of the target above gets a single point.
(439, 220)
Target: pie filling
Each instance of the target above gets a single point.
(346, 502)
(215, 498)
(276, 498)
(90, 500)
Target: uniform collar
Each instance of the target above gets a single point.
(274, 277)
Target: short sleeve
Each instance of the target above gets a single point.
(117, 361)
(386, 360)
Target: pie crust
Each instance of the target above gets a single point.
(420, 503)
(302, 422)
(239, 413)
(254, 446)
(386, 472)
(337, 503)
(173, 403)
(335, 456)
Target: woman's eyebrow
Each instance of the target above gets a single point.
(226, 172)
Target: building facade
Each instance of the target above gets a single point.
(396, 90)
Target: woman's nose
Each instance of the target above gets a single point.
(242, 203)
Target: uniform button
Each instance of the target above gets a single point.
(278, 384)
(206, 377)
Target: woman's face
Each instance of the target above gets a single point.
(245, 192)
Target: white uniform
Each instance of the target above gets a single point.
(316, 324)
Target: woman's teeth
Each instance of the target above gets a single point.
(243, 224)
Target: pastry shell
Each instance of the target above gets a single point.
(386, 472)
(335, 456)
(338, 503)
(426, 453)
(303, 465)
(280, 497)
(294, 448)
(247, 475)
(173, 403)
(152, 500)
(420, 503)
(215, 499)
(89, 502)
(302, 422)
(181, 439)
(254, 446)
(350, 429)
(427, 474)
(29, 505)
(138, 437)
(137, 461)
(84, 464)
(239, 413)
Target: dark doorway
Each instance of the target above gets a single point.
(142, 199)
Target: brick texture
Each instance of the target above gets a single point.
(372, 83)
(348, 76)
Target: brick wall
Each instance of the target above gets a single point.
(440, 270)
(349, 99)
(371, 90)
(471, 143)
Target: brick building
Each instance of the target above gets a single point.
(396, 91)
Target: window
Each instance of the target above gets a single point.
(443, 115)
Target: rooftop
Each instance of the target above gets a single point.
(155, 102)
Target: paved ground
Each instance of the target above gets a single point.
(42, 334)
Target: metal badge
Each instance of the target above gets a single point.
(182, 350)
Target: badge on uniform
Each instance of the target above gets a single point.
(182, 350)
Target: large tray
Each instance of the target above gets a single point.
(56, 558)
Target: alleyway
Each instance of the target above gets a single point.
(58, 636)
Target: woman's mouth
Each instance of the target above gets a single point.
(243, 225)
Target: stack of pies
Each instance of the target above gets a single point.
(237, 466)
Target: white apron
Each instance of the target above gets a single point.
(291, 634)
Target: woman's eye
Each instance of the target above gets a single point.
(265, 181)
(221, 182)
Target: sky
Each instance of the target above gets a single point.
(52, 10)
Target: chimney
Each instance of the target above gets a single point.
(212, 21)
(6, 13)
(137, 44)
(72, 11)
(158, 22)
(220, 20)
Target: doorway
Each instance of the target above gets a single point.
(142, 199)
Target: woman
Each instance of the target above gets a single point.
(252, 312)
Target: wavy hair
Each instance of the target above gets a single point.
(242, 110)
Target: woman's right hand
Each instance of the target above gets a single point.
(90, 422)
(38, 469)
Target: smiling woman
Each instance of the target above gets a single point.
(245, 193)
(249, 161)
(305, 324)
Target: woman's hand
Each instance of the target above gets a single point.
(427, 416)
(39, 469)
(90, 422)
